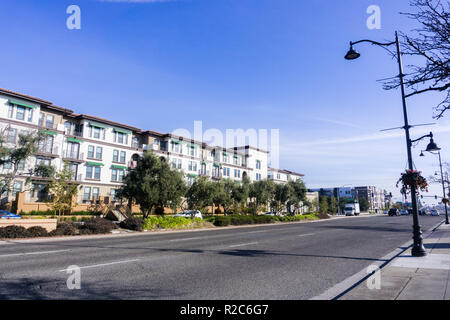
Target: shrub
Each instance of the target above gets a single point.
(164, 222)
(64, 229)
(37, 232)
(97, 226)
(10, 232)
(132, 223)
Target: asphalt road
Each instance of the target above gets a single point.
(284, 261)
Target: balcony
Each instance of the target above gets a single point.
(74, 133)
(51, 152)
(73, 156)
(204, 172)
(47, 125)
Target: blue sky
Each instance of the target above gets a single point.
(263, 64)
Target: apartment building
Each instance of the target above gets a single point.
(100, 151)
(283, 176)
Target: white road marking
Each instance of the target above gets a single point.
(242, 244)
(194, 238)
(30, 253)
(306, 234)
(102, 265)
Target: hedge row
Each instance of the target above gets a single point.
(167, 222)
(52, 213)
(92, 226)
(236, 220)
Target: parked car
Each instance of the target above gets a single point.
(404, 212)
(189, 214)
(385, 211)
(422, 212)
(8, 215)
(434, 212)
(271, 213)
(393, 212)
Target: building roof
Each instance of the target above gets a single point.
(286, 171)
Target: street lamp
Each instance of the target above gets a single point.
(430, 148)
(418, 249)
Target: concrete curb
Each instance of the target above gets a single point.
(353, 281)
(137, 234)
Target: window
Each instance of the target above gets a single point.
(192, 166)
(17, 187)
(98, 154)
(7, 165)
(117, 175)
(226, 172)
(87, 193)
(93, 172)
(174, 163)
(237, 173)
(190, 181)
(43, 161)
(122, 156)
(11, 111)
(67, 127)
(21, 165)
(225, 157)
(96, 133)
(278, 176)
(179, 164)
(72, 150)
(116, 156)
(30, 115)
(258, 164)
(112, 194)
(41, 119)
(39, 191)
(49, 121)
(91, 152)
(11, 137)
(46, 145)
(236, 161)
(258, 176)
(175, 147)
(20, 113)
(192, 151)
(74, 169)
(135, 142)
(95, 192)
(120, 137)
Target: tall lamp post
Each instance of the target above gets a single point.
(430, 149)
(418, 249)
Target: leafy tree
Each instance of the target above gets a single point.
(261, 193)
(153, 184)
(297, 196)
(240, 194)
(323, 205)
(429, 44)
(363, 204)
(282, 194)
(200, 194)
(62, 190)
(333, 207)
(17, 156)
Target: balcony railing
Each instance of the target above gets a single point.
(204, 172)
(53, 151)
(73, 155)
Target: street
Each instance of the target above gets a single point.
(283, 261)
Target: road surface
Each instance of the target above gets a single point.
(283, 261)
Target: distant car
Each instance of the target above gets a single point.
(434, 212)
(271, 213)
(394, 212)
(8, 215)
(189, 214)
(422, 212)
(404, 212)
(385, 211)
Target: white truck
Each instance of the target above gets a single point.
(352, 209)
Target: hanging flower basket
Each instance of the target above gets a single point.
(412, 178)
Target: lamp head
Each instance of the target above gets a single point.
(432, 146)
(352, 54)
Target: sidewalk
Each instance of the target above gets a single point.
(413, 278)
